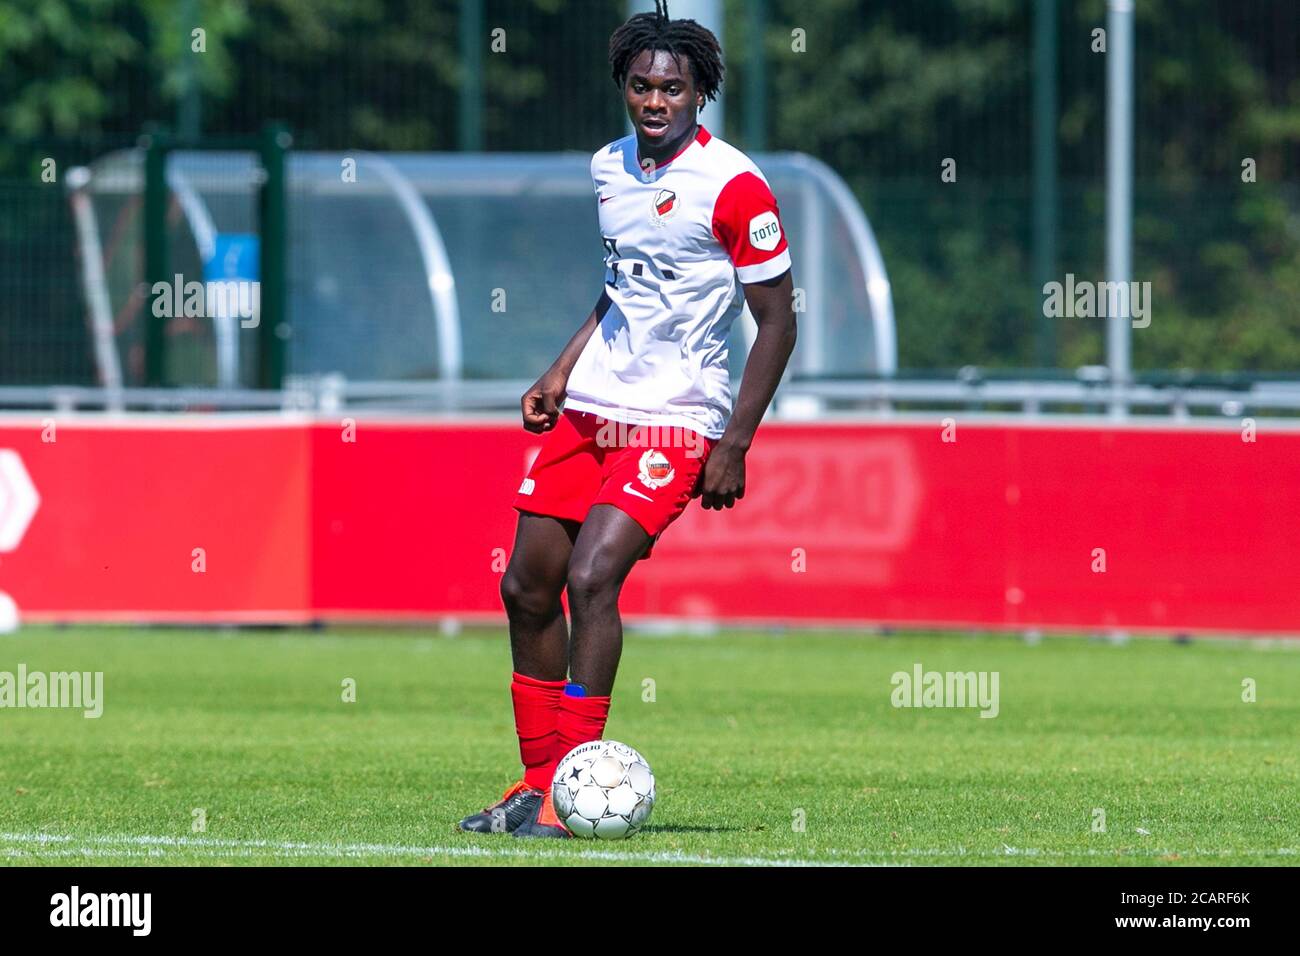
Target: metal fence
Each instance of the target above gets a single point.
(1230, 402)
(881, 92)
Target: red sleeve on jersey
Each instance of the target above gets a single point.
(747, 223)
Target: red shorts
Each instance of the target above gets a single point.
(646, 471)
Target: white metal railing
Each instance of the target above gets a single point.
(440, 279)
(879, 292)
(330, 394)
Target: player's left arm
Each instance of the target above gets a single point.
(772, 303)
(747, 224)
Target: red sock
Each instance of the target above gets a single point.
(582, 719)
(537, 711)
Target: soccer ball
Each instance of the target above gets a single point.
(603, 789)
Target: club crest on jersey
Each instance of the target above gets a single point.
(655, 469)
(665, 207)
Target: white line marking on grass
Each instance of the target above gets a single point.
(1116, 853)
(158, 846)
(28, 845)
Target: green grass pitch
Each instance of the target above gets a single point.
(767, 748)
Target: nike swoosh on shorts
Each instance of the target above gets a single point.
(632, 491)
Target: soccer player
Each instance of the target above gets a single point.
(647, 422)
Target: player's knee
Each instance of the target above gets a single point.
(516, 595)
(589, 582)
(524, 599)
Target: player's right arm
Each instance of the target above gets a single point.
(541, 403)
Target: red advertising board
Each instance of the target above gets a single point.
(1011, 525)
(156, 520)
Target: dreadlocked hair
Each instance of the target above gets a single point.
(680, 38)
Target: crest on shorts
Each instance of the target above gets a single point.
(655, 469)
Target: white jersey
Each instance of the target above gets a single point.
(676, 241)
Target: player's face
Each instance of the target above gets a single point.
(661, 99)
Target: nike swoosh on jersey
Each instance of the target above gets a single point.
(632, 491)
